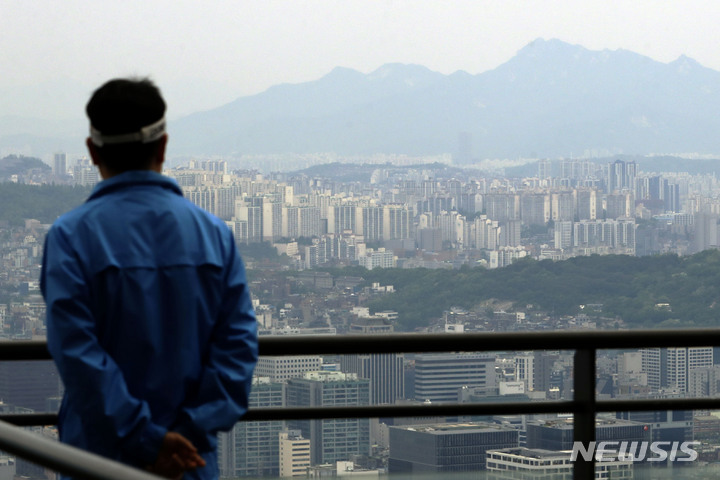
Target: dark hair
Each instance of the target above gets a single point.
(125, 106)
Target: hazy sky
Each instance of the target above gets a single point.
(206, 53)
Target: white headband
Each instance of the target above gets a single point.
(146, 134)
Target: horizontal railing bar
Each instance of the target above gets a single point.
(30, 419)
(24, 350)
(478, 342)
(439, 342)
(388, 411)
(431, 410)
(470, 409)
(641, 405)
(63, 458)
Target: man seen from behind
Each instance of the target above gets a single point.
(149, 317)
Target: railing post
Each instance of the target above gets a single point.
(584, 416)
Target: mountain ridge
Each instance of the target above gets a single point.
(552, 99)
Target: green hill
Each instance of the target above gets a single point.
(41, 202)
(14, 164)
(628, 287)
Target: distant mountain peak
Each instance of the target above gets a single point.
(341, 73)
(685, 64)
(409, 75)
(398, 69)
(541, 46)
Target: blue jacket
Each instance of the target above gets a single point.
(149, 321)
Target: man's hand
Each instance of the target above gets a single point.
(176, 456)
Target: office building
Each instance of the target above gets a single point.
(557, 434)
(446, 448)
(294, 454)
(439, 377)
(534, 369)
(669, 368)
(284, 367)
(29, 384)
(385, 372)
(251, 449)
(666, 425)
(537, 464)
(331, 440)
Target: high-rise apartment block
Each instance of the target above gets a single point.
(85, 173)
(535, 209)
(621, 176)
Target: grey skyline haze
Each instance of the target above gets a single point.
(205, 54)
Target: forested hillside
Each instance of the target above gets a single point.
(632, 288)
(41, 202)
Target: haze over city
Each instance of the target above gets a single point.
(207, 54)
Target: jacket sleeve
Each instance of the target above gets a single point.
(93, 381)
(224, 387)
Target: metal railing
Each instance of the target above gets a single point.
(584, 405)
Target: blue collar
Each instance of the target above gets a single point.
(133, 178)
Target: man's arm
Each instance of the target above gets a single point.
(92, 379)
(222, 394)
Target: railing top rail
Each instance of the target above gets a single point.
(441, 342)
(491, 341)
